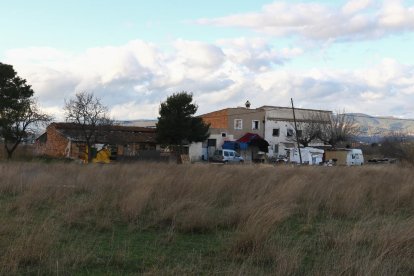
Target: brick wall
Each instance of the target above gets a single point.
(217, 119)
(55, 144)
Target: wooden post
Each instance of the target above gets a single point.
(296, 131)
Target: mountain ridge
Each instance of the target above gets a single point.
(382, 125)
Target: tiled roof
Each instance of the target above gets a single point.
(108, 134)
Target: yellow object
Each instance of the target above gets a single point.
(102, 156)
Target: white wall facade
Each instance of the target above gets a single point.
(282, 118)
(195, 151)
(220, 139)
(278, 145)
(200, 151)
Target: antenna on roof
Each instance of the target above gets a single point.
(247, 104)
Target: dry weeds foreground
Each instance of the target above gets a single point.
(66, 219)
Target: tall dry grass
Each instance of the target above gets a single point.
(284, 220)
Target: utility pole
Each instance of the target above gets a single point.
(296, 131)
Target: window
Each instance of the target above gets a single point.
(231, 154)
(276, 132)
(289, 132)
(223, 134)
(255, 124)
(238, 124)
(226, 153)
(299, 133)
(211, 142)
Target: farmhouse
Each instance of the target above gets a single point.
(66, 140)
(274, 124)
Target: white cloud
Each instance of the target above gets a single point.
(354, 6)
(134, 110)
(371, 96)
(395, 15)
(380, 89)
(256, 54)
(133, 79)
(355, 20)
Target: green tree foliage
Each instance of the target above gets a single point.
(177, 125)
(18, 110)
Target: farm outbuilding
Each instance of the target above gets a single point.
(66, 140)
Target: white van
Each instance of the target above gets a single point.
(226, 156)
(355, 158)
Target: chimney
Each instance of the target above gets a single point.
(247, 104)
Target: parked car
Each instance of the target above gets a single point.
(227, 156)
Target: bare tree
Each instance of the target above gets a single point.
(91, 116)
(325, 127)
(16, 125)
(307, 132)
(398, 144)
(309, 128)
(18, 109)
(339, 128)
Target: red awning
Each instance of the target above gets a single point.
(248, 137)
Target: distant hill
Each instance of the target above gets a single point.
(371, 126)
(139, 123)
(382, 126)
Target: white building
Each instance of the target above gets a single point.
(274, 124)
(280, 128)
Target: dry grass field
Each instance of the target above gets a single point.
(145, 218)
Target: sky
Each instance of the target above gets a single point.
(354, 55)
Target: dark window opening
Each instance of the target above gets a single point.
(255, 125)
(211, 142)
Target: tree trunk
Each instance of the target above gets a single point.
(178, 153)
(11, 150)
(89, 153)
(9, 153)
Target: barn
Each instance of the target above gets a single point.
(67, 140)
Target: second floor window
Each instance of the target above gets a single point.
(238, 124)
(255, 124)
(289, 132)
(276, 132)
